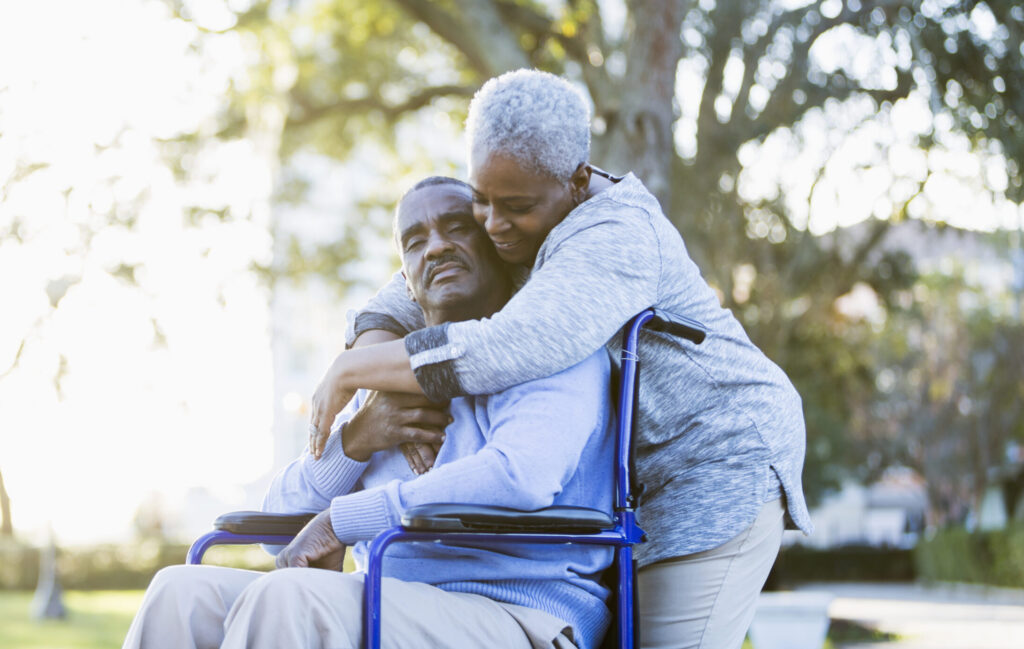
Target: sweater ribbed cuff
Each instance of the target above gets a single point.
(360, 516)
(335, 472)
(432, 361)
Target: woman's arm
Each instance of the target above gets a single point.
(590, 283)
(586, 286)
(537, 434)
(384, 366)
(390, 310)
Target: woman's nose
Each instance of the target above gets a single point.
(493, 222)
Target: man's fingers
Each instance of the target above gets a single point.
(413, 458)
(428, 417)
(426, 455)
(417, 435)
(333, 560)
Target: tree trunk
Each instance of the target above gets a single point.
(48, 601)
(6, 526)
(639, 117)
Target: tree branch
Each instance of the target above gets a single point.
(752, 55)
(783, 110)
(476, 30)
(311, 113)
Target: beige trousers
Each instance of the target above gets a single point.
(304, 608)
(706, 600)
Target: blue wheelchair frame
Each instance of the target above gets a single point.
(492, 525)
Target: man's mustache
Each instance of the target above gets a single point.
(450, 258)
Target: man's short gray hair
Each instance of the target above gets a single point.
(538, 119)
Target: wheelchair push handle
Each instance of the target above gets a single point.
(677, 325)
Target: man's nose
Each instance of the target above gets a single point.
(437, 244)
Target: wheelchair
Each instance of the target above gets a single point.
(485, 525)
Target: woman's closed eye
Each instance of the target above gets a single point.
(519, 208)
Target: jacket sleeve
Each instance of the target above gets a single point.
(537, 433)
(587, 287)
(391, 309)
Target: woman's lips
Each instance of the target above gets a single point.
(506, 245)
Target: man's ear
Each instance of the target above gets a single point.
(408, 289)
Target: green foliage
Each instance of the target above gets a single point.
(114, 567)
(949, 399)
(799, 564)
(994, 558)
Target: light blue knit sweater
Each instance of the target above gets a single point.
(540, 443)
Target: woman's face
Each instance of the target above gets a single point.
(517, 206)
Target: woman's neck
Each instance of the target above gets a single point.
(600, 180)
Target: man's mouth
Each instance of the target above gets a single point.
(445, 270)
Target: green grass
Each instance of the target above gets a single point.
(96, 620)
(100, 620)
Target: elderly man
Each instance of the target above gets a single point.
(540, 443)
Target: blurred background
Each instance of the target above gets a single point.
(193, 194)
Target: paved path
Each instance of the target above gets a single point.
(945, 616)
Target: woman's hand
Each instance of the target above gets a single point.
(384, 366)
(328, 400)
(389, 419)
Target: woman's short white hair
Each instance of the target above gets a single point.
(538, 119)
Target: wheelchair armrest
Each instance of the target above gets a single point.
(250, 522)
(455, 517)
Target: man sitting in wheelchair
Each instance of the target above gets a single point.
(540, 443)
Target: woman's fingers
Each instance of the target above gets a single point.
(328, 400)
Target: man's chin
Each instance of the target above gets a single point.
(450, 296)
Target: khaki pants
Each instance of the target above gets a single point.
(208, 606)
(706, 600)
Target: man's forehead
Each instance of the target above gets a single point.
(432, 201)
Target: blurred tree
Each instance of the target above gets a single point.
(6, 526)
(951, 396)
(343, 71)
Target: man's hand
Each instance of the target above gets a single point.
(315, 546)
(420, 456)
(389, 419)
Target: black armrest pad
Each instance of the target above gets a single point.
(262, 523)
(454, 517)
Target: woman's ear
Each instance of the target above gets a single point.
(579, 183)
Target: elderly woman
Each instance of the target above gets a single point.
(720, 432)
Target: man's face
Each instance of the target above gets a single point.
(448, 261)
